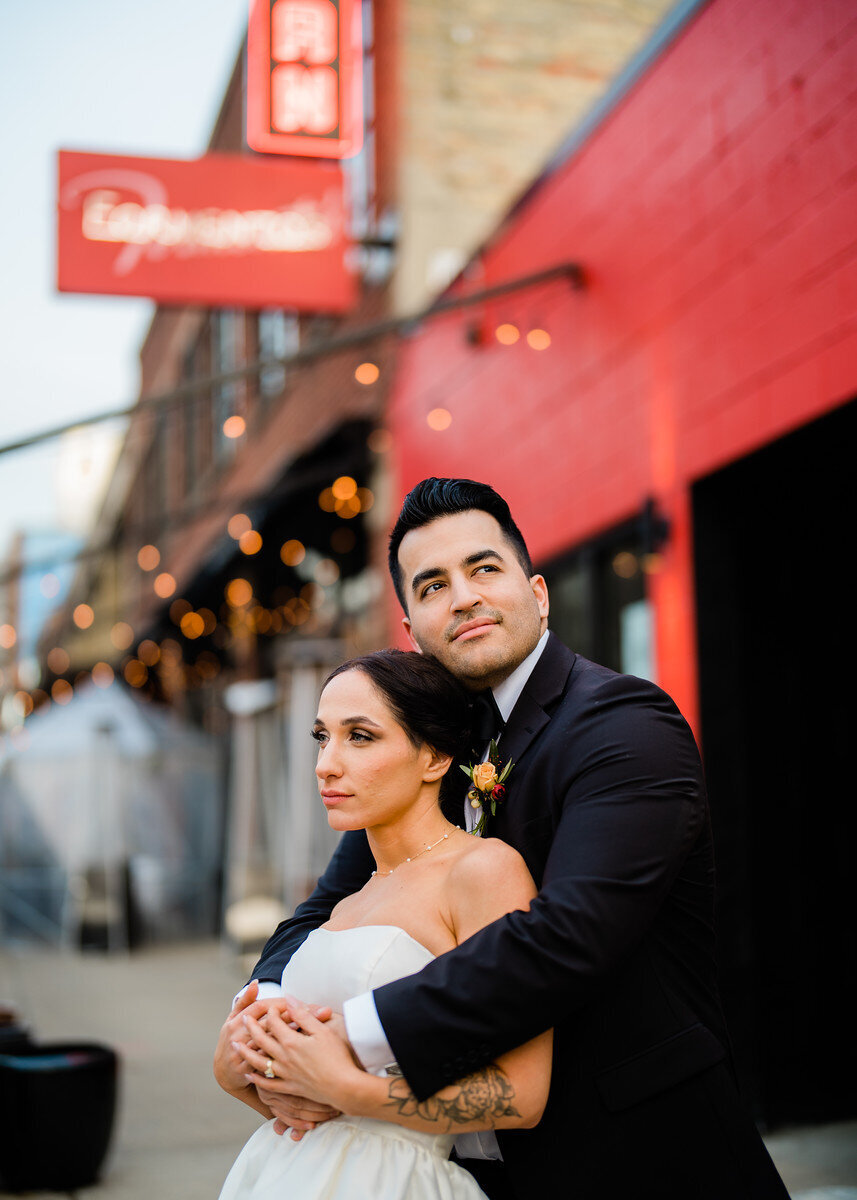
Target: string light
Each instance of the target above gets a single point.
(538, 339)
(148, 557)
(58, 660)
(234, 427)
(507, 334)
(61, 691)
(8, 637)
(49, 586)
(102, 675)
(292, 552)
(238, 524)
(625, 564)
(149, 652)
(178, 608)
(209, 621)
(192, 625)
(136, 673)
(348, 508)
(164, 585)
(83, 616)
(238, 593)
(344, 498)
(439, 419)
(250, 542)
(367, 373)
(121, 635)
(344, 487)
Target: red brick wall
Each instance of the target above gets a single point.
(715, 214)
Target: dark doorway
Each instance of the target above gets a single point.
(775, 552)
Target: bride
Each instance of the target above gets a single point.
(388, 728)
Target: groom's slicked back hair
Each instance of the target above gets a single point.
(433, 498)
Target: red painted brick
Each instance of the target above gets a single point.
(714, 213)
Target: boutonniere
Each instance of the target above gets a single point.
(487, 791)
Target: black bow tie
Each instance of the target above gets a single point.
(486, 719)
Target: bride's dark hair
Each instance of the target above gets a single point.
(430, 704)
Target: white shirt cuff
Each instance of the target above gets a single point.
(268, 990)
(366, 1034)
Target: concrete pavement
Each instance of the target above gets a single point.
(176, 1132)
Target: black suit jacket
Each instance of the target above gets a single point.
(607, 805)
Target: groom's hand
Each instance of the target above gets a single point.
(295, 1114)
(229, 1067)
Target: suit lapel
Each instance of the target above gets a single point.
(534, 708)
(535, 705)
(532, 712)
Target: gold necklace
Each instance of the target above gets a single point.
(413, 856)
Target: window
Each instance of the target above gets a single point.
(278, 333)
(598, 603)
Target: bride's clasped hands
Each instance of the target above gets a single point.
(293, 1053)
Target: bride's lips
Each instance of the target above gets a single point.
(331, 798)
(471, 629)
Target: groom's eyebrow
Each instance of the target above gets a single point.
(479, 556)
(429, 573)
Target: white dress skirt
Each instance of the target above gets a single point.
(350, 1158)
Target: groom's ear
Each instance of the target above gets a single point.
(406, 625)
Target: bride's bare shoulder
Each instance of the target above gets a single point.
(487, 852)
(491, 870)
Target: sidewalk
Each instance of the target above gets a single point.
(177, 1133)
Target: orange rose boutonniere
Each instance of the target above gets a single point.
(488, 785)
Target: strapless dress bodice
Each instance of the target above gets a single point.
(334, 964)
(350, 1158)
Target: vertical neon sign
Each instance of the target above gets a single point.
(304, 91)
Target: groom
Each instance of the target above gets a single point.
(607, 805)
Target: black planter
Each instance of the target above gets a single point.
(14, 1038)
(57, 1105)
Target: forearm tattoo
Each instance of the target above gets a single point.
(485, 1096)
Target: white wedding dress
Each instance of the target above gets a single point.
(350, 1158)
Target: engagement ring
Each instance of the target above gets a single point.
(269, 1069)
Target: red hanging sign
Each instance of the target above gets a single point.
(223, 230)
(304, 87)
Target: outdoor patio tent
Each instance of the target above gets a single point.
(111, 824)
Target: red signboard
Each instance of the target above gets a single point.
(223, 230)
(304, 86)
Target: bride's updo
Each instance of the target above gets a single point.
(430, 704)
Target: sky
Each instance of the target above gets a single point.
(121, 78)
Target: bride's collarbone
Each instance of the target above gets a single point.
(416, 905)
